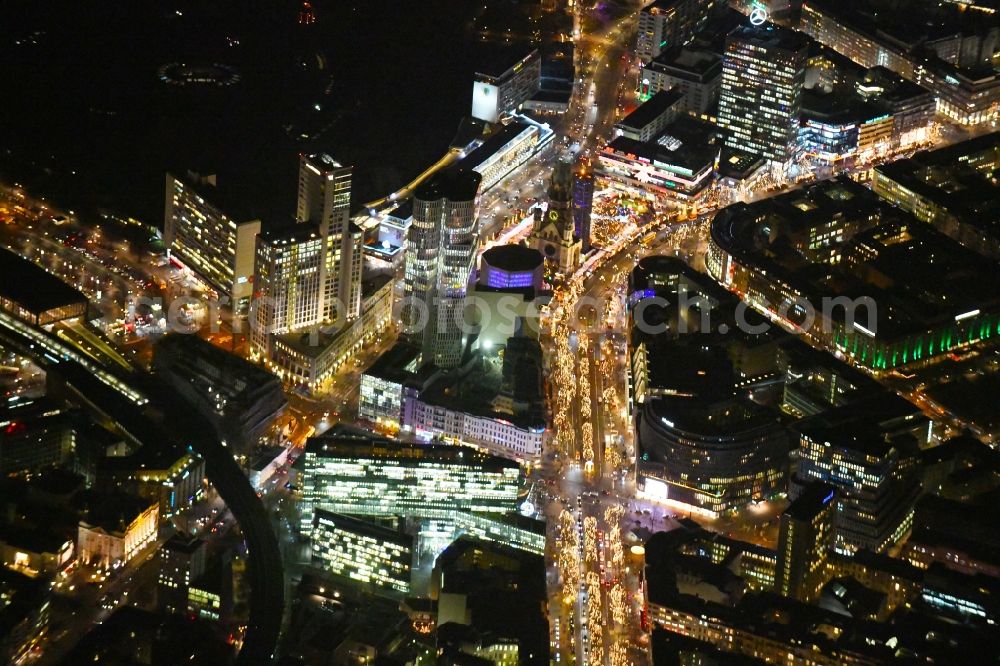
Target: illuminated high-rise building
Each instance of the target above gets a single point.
(181, 560)
(665, 24)
(442, 244)
(325, 200)
(762, 76)
(368, 475)
(362, 550)
(287, 284)
(875, 474)
(804, 541)
(308, 274)
(207, 230)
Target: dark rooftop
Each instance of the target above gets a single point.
(692, 157)
(31, 539)
(494, 142)
(958, 178)
(396, 364)
(232, 199)
(651, 109)
(57, 481)
(815, 496)
(194, 349)
(113, 512)
(182, 543)
(904, 27)
(722, 419)
(403, 211)
(372, 283)
(739, 165)
(33, 287)
(919, 277)
(513, 257)
(289, 231)
(661, 4)
(553, 96)
(456, 183)
(700, 63)
(770, 36)
(494, 61)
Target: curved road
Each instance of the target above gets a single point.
(264, 558)
(168, 410)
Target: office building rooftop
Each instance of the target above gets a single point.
(770, 36)
(917, 277)
(651, 109)
(812, 501)
(337, 446)
(456, 183)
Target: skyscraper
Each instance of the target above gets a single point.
(442, 244)
(554, 234)
(762, 76)
(665, 24)
(875, 475)
(209, 230)
(804, 540)
(287, 284)
(325, 200)
(583, 204)
(309, 274)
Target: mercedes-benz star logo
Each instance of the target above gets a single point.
(758, 16)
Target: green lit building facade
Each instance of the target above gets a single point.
(879, 288)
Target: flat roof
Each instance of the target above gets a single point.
(495, 61)
(493, 143)
(372, 283)
(918, 277)
(717, 419)
(699, 62)
(322, 161)
(693, 157)
(661, 4)
(813, 499)
(513, 258)
(290, 231)
(113, 511)
(903, 27)
(739, 164)
(402, 212)
(381, 449)
(198, 351)
(553, 96)
(770, 36)
(33, 287)
(183, 543)
(651, 109)
(33, 539)
(393, 364)
(474, 394)
(231, 198)
(456, 183)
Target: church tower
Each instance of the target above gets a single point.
(553, 234)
